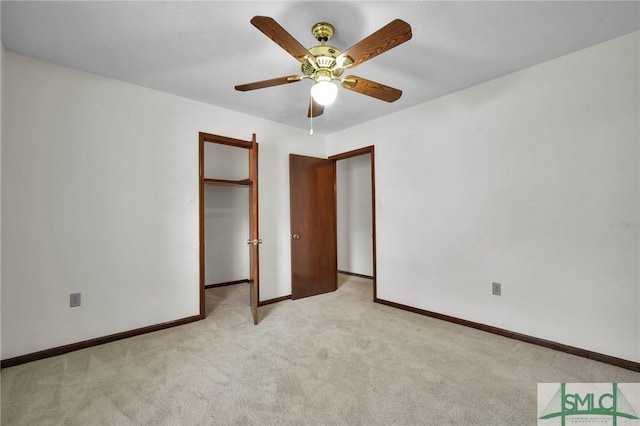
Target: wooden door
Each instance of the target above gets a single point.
(313, 226)
(254, 240)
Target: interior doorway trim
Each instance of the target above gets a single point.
(224, 140)
(355, 153)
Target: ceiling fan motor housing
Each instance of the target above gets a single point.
(327, 65)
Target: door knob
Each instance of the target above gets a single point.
(255, 242)
(295, 237)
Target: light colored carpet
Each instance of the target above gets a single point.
(338, 358)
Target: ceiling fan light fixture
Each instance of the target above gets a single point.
(324, 92)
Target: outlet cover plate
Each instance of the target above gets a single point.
(74, 300)
(496, 289)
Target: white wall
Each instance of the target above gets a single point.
(226, 232)
(96, 178)
(531, 180)
(355, 243)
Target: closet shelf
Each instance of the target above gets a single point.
(224, 182)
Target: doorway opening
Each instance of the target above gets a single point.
(314, 244)
(355, 216)
(228, 210)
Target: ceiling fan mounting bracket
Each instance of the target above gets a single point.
(322, 31)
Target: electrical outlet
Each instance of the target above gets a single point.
(74, 300)
(496, 289)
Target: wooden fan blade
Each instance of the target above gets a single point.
(268, 83)
(315, 108)
(391, 35)
(371, 88)
(282, 38)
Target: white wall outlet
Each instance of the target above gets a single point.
(74, 300)
(496, 289)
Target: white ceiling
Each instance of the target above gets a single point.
(201, 50)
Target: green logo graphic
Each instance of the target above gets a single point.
(613, 404)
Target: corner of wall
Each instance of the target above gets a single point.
(1, 102)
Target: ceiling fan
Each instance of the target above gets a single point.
(324, 63)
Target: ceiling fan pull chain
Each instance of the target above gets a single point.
(311, 118)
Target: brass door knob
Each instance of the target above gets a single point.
(255, 242)
(295, 237)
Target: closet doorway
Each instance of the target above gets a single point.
(228, 201)
(355, 214)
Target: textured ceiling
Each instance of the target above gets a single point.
(201, 50)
